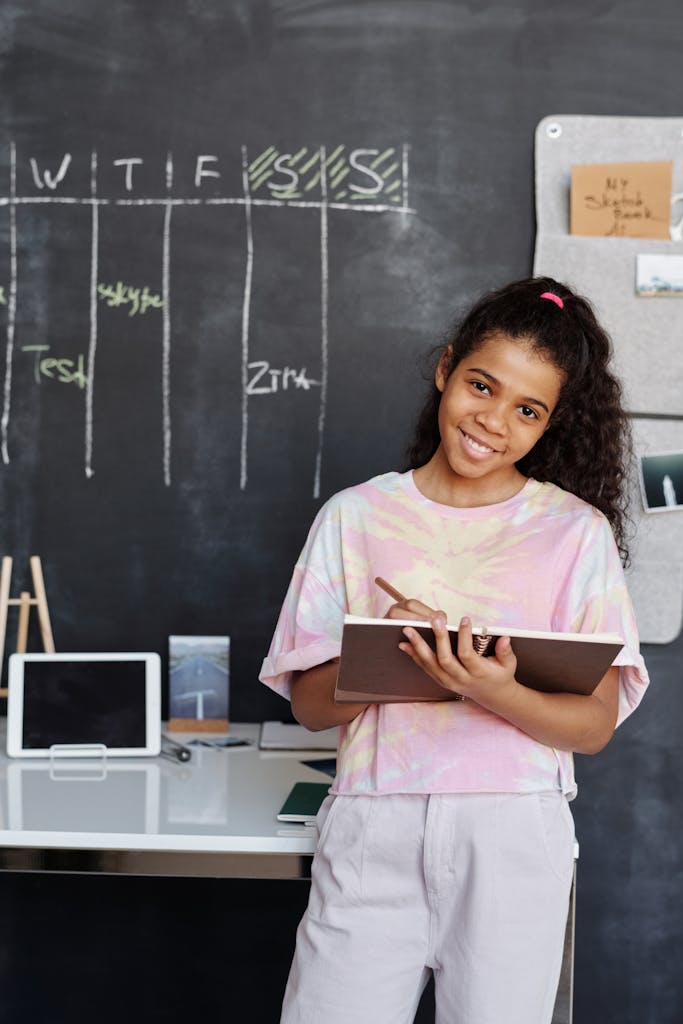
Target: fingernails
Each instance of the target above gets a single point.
(439, 622)
(465, 621)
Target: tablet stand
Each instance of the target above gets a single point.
(24, 601)
(76, 773)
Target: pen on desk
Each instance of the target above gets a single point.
(178, 750)
(226, 742)
(391, 591)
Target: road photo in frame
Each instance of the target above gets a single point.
(199, 683)
(661, 481)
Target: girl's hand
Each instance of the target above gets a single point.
(489, 681)
(570, 721)
(412, 609)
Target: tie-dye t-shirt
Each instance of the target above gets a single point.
(542, 560)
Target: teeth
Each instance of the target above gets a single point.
(475, 444)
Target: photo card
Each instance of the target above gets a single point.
(199, 683)
(659, 275)
(661, 481)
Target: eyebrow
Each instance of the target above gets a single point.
(494, 380)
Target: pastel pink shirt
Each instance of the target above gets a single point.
(541, 560)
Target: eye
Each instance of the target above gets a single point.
(528, 413)
(482, 388)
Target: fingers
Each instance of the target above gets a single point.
(444, 650)
(438, 662)
(477, 665)
(466, 652)
(411, 609)
(442, 655)
(464, 671)
(505, 654)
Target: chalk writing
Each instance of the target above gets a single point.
(204, 172)
(344, 176)
(365, 180)
(128, 163)
(121, 294)
(47, 178)
(359, 174)
(65, 371)
(273, 380)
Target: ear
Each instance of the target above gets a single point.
(441, 375)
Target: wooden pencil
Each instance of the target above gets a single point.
(391, 591)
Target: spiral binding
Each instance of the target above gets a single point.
(481, 643)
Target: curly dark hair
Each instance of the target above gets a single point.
(587, 446)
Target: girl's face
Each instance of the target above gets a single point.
(495, 405)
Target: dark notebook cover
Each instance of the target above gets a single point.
(303, 801)
(373, 670)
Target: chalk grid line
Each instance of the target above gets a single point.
(92, 343)
(168, 202)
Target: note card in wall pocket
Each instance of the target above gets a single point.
(625, 200)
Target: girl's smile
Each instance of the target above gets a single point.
(496, 403)
(476, 445)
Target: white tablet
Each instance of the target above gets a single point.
(72, 701)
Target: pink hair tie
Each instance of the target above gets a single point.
(553, 298)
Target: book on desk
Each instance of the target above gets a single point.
(303, 802)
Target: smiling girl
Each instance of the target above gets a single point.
(446, 844)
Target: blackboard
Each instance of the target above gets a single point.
(161, 497)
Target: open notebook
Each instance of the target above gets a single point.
(373, 669)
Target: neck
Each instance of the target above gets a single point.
(436, 481)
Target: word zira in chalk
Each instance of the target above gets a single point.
(277, 380)
(61, 370)
(120, 294)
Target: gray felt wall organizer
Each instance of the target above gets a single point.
(647, 332)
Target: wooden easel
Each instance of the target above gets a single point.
(24, 601)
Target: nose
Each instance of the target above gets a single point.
(493, 418)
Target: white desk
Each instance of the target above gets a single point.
(214, 815)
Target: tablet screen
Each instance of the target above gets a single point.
(84, 702)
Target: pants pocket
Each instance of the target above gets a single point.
(556, 826)
(337, 868)
(323, 819)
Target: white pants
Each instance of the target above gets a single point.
(474, 887)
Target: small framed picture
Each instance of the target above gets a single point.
(661, 481)
(659, 275)
(199, 683)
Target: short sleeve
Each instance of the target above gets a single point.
(599, 602)
(309, 627)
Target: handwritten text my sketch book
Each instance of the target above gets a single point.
(374, 670)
